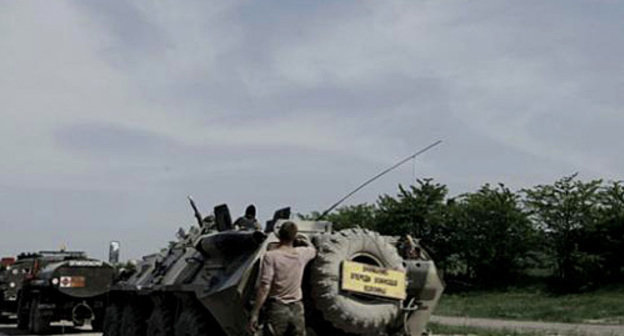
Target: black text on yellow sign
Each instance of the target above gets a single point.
(367, 279)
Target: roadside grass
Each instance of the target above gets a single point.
(444, 330)
(440, 329)
(603, 306)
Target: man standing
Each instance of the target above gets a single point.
(280, 281)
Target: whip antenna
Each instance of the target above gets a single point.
(369, 181)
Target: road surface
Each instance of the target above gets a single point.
(57, 329)
(535, 326)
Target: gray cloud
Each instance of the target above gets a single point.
(114, 111)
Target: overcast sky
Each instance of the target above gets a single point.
(113, 111)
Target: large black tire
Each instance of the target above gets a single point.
(111, 325)
(37, 322)
(132, 321)
(191, 323)
(97, 323)
(23, 312)
(160, 322)
(350, 313)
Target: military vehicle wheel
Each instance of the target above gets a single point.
(349, 313)
(97, 322)
(23, 313)
(310, 332)
(112, 320)
(160, 322)
(22, 323)
(191, 323)
(38, 323)
(132, 321)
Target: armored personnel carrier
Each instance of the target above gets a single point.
(205, 282)
(51, 286)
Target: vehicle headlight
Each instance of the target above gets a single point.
(14, 271)
(55, 281)
(12, 284)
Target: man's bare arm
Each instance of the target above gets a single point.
(266, 279)
(261, 296)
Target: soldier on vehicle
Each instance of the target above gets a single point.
(280, 285)
(409, 249)
(249, 221)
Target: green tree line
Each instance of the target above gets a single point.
(569, 233)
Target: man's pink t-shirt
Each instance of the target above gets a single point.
(282, 270)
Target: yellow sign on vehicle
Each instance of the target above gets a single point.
(372, 280)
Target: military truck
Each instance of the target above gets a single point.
(205, 282)
(7, 290)
(8, 297)
(51, 286)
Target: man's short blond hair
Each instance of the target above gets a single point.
(288, 232)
